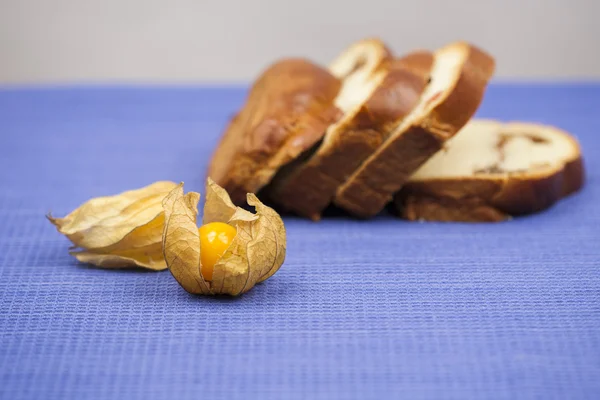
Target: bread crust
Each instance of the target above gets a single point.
(491, 198)
(286, 112)
(307, 189)
(373, 185)
(364, 54)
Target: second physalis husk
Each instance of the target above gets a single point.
(119, 231)
(255, 254)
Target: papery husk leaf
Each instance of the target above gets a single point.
(142, 247)
(218, 207)
(233, 274)
(103, 221)
(269, 244)
(181, 241)
(114, 262)
(255, 254)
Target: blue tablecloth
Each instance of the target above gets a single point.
(360, 310)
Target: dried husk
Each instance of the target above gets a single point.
(255, 254)
(120, 231)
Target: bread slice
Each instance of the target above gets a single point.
(287, 112)
(490, 171)
(459, 77)
(356, 67)
(385, 97)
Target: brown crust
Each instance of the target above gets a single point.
(368, 191)
(419, 62)
(489, 198)
(309, 188)
(287, 111)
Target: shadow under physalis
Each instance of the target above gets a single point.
(232, 251)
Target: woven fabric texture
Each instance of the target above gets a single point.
(360, 310)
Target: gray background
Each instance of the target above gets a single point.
(178, 41)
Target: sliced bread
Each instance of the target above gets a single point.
(383, 99)
(458, 80)
(491, 170)
(286, 113)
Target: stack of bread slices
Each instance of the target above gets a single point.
(373, 129)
